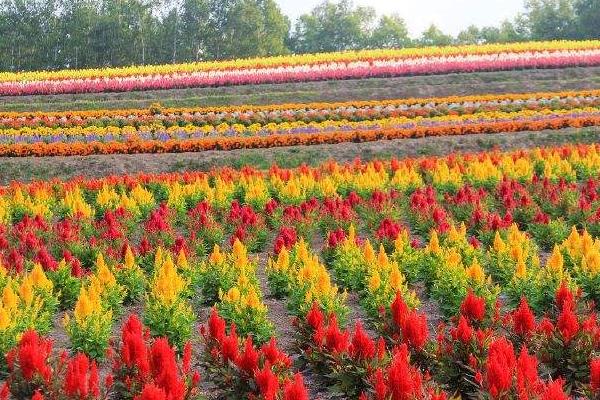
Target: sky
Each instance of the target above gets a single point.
(451, 16)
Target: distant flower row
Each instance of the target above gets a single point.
(189, 130)
(303, 68)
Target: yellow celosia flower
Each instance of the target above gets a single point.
(499, 245)
(252, 299)
(555, 261)
(167, 285)
(182, 261)
(434, 243)
(103, 274)
(216, 257)
(5, 320)
(475, 272)
(26, 290)
(521, 269)
(369, 252)
(85, 306)
(129, 258)
(374, 281)
(9, 297)
(396, 278)
(39, 278)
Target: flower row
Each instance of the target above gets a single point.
(358, 66)
(239, 137)
(302, 59)
(248, 115)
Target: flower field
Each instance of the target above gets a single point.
(159, 130)
(470, 275)
(304, 68)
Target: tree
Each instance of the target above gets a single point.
(433, 36)
(245, 28)
(333, 27)
(471, 35)
(391, 32)
(551, 19)
(588, 18)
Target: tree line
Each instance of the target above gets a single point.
(54, 34)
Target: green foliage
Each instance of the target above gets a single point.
(174, 321)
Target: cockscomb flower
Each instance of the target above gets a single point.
(152, 392)
(568, 324)
(267, 382)
(295, 389)
(564, 297)
(500, 367)
(81, 379)
(274, 355)
(595, 375)
(315, 317)
(32, 354)
(473, 307)
(463, 330)
(336, 341)
(362, 347)
(523, 319)
(247, 361)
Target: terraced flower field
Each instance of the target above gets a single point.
(460, 258)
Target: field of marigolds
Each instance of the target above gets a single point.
(456, 275)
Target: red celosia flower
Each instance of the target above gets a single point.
(286, 237)
(216, 326)
(500, 367)
(4, 391)
(564, 297)
(134, 352)
(33, 353)
(528, 381)
(152, 392)
(555, 391)
(567, 324)
(362, 347)
(315, 317)
(229, 345)
(37, 396)
(473, 307)
(248, 359)
(267, 382)
(546, 327)
(379, 385)
(163, 365)
(274, 355)
(81, 378)
(595, 375)
(463, 331)
(295, 390)
(187, 358)
(523, 319)
(335, 340)
(414, 330)
(404, 381)
(399, 310)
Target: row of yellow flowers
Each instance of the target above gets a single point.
(302, 59)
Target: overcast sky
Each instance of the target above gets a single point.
(449, 15)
